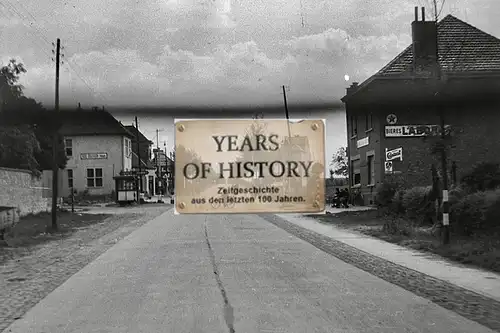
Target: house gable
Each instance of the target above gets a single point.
(468, 55)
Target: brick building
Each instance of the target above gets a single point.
(398, 107)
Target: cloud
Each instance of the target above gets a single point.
(313, 65)
(361, 56)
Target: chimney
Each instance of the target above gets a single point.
(424, 43)
(352, 89)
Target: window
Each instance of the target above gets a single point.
(94, 177)
(369, 122)
(68, 147)
(371, 170)
(128, 147)
(70, 178)
(354, 126)
(355, 172)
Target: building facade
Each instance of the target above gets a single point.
(164, 166)
(394, 118)
(144, 151)
(98, 148)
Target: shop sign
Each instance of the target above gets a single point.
(398, 131)
(94, 156)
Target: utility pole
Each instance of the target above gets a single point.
(286, 112)
(55, 167)
(158, 166)
(440, 87)
(139, 185)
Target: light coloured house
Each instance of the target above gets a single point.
(98, 146)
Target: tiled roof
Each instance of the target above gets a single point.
(90, 122)
(145, 163)
(461, 48)
(133, 130)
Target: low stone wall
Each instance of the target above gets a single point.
(18, 188)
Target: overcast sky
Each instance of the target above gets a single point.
(218, 52)
(213, 52)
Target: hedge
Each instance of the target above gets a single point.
(476, 213)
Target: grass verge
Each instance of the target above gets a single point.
(31, 230)
(480, 251)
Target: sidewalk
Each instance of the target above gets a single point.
(482, 282)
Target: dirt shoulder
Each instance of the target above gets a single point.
(480, 251)
(37, 263)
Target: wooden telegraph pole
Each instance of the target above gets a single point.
(286, 111)
(55, 141)
(442, 144)
(139, 185)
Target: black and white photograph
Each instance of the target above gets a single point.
(249, 166)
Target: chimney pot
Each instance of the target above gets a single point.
(354, 84)
(423, 14)
(416, 13)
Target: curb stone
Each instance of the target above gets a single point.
(468, 304)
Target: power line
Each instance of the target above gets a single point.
(14, 12)
(70, 64)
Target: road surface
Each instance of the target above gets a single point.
(240, 273)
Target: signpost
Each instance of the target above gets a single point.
(217, 171)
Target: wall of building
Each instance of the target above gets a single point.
(475, 138)
(18, 188)
(371, 134)
(417, 151)
(115, 161)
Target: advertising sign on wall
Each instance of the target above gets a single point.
(394, 154)
(94, 156)
(411, 130)
(249, 166)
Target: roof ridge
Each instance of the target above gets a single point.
(444, 23)
(449, 16)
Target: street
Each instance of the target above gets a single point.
(230, 273)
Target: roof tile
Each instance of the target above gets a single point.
(90, 122)
(461, 48)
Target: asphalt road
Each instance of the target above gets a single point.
(229, 274)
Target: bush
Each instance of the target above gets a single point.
(476, 213)
(386, 191)
(417, 204)
(455, 194)
(483, 177)
(397, 202)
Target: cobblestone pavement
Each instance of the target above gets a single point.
(468, 304)
(26, 280)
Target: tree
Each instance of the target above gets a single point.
(340, 163)
(18, 146)
(10, 89)
(20, 112)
